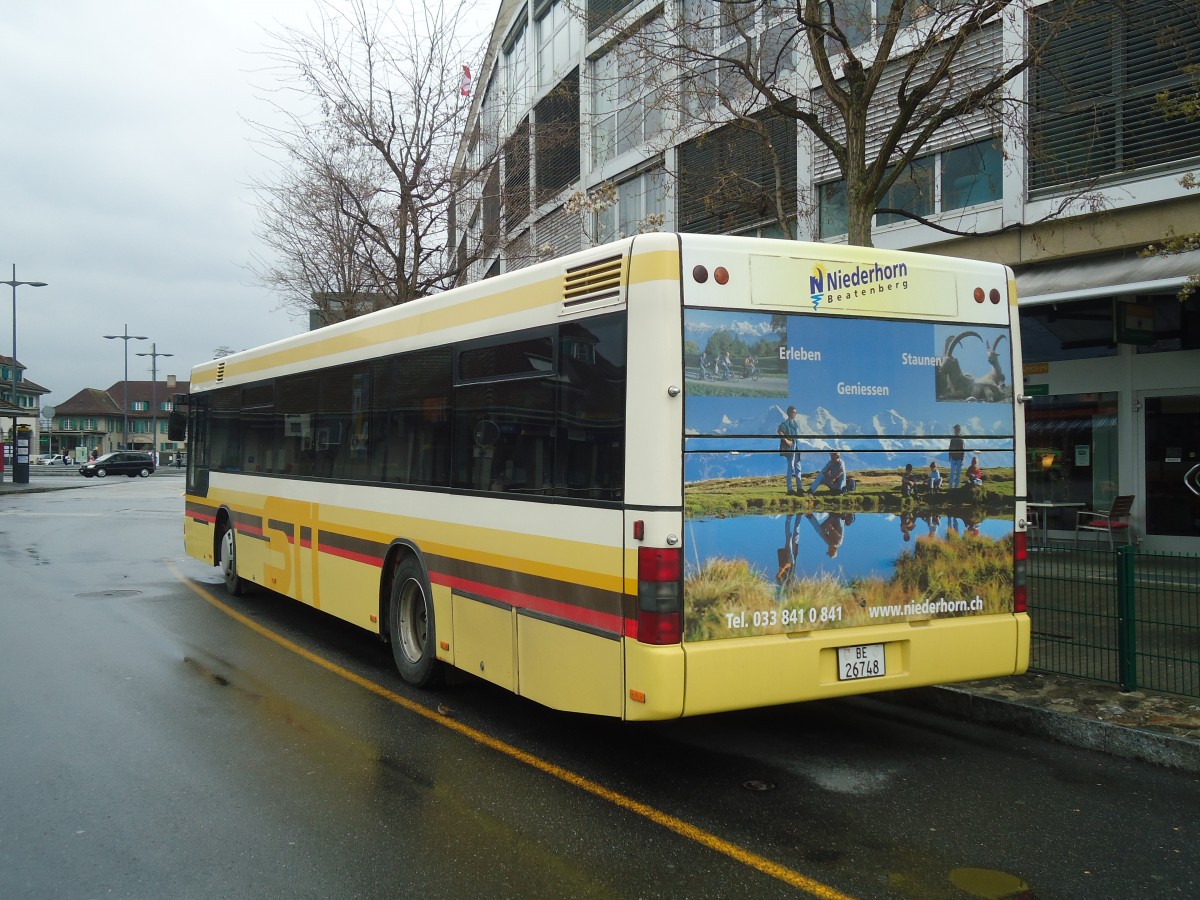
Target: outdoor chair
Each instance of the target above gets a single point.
(1116, 519)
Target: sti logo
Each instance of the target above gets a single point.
(816, 284)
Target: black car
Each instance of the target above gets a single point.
(123, 462)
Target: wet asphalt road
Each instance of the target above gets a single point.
(154, 745)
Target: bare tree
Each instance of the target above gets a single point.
(320, 258)
(373, 104)
(876, 83)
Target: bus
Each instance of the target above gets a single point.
(670, 476)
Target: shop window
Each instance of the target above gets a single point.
(1080, 329)
(1071, 453)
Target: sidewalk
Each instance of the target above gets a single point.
(61, 478)
(1163, 729)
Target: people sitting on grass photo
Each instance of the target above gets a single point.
(935, 477)
(832, 475)
(974, 473)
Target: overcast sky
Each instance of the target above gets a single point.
(124, 165)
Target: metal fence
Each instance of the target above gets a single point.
(1123, 616)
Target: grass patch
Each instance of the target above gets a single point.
(955, 568)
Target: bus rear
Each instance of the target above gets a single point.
(848, 482)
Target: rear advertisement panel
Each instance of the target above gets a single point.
(844, 471)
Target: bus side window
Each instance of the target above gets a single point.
(591, 413)
(417, 437)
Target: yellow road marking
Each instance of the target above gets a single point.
(666, 820)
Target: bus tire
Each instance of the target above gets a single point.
(411, 628)
(227, 560)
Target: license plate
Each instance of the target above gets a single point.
(860, 661)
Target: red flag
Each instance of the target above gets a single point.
(465, 86)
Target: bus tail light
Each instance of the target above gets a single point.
(660, 595)
(1021, 558)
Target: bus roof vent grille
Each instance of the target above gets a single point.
(220, 372)
(600, 280)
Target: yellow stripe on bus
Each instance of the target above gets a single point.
(662, 265)
(592, 565)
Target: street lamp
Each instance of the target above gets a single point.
(126, 337)
(154, 355)
(14, 284)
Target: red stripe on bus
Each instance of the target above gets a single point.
(351, 555)
(604, 621)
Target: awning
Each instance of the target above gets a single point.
(1104, 276)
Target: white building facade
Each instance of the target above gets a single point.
(583, 130)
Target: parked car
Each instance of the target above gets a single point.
(122, 462)
(54, 459)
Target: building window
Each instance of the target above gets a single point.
(1080, 329)
(516, 176)
(601, 11)
(1176, 323)
(1095, 111)
(640, 206)
(971, 175)
(516, 73)
(965, 176)
(625, 113)
(728, 177)
(1071, 452)
(491, 210)
(855, 19)
(862, 20)
(556, 138)
(912, 192)
(777, 56)
(558, 41)
(88, 425)
(834, 208)
(771, 230)
(139, 406)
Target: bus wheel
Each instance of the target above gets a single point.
(411, 627)
(234, 583)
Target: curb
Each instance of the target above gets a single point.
(1121, 741)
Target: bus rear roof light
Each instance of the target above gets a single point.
(700, 274)
(994, 295)
(979, 295)
(721, 275)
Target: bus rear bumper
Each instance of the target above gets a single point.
(741, 673)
